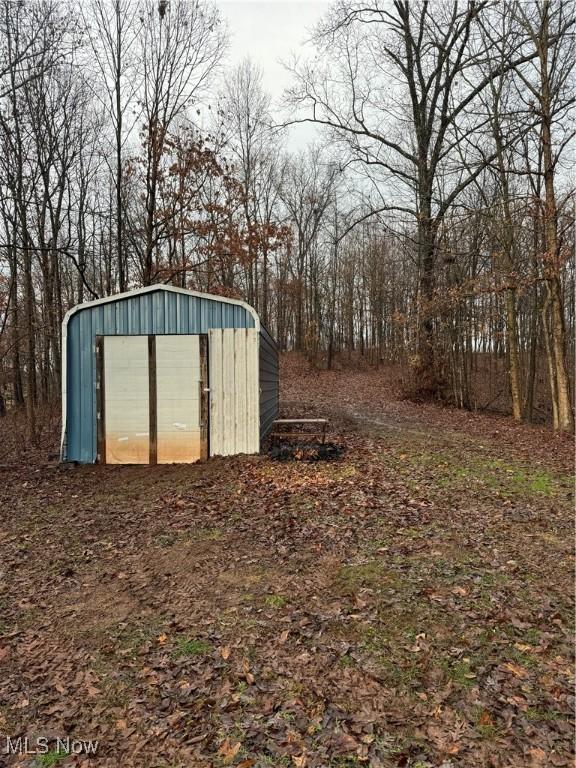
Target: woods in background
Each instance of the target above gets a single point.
(430, 225)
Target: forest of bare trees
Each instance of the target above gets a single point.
(430, 225)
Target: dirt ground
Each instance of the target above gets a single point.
(408, 604)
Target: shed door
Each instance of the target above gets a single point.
(126, 412)
(178, 394)
(152, 399)
(234, 395)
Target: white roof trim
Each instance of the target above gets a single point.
(119, 297)
(162, 287)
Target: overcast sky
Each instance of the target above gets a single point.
(269, 31)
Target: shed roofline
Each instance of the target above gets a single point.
(161, 287)
(118, 297)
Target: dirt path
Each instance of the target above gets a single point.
(409, 604)
(370, 401)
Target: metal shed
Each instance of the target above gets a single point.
(163, 375)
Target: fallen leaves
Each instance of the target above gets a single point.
(515, 669)
(537, 756)
(225, 652)
(229, 750)
(422, 622)
(485, 719)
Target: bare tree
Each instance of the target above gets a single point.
(434, 229)
(508, 123)
(28, 56)
(399, 85)
(181, 46)
(549, 26)
(26, 43)
(112, 33)
(306, 191)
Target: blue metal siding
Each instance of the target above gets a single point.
(157, 312)
(269, 382)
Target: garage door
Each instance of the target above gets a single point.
(152, 401)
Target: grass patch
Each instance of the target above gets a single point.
(376, 640)
(535, 714)
(453, 470)
(401, 674)
(493, 579)
(51, 758)
(375, 574)
(487, 731)
(344, 471)
(532, 636)
(527, 660)
(206, 534)
(542, 483)
(460, 673)
(401, 671)
(391, 746)
(275, 601)
(131, 637)
(273, 760)
(191, 647)
(484, 723)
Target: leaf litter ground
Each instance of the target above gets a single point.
(407, 604)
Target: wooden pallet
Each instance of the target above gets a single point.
(322, 424)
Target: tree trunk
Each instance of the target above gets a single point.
(31, 389)
(550, 362)
(565, 417)
(513, 354)
(118, 137)
(427, 377)
(532, 360)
